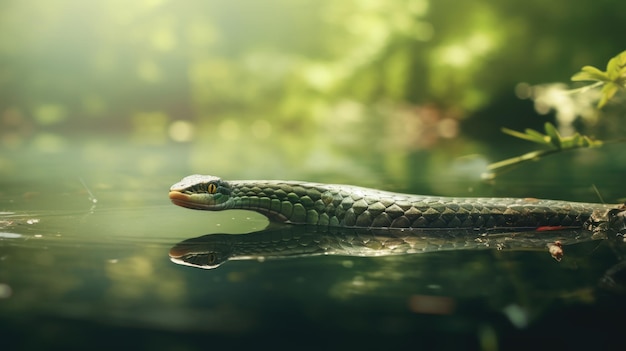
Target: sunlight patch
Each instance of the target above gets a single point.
(181, 131)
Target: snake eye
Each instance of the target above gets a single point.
(211, 188)
(211, 258)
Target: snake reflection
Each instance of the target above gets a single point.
(212, 250)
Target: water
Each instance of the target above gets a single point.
(84, 262)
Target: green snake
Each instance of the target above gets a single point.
(345, 206)
(327, 219)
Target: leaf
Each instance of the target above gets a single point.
(530, 135)
(615, 66)
(578, 140)
(592, 143)
(613, 79)
(620, 71)
(608, 91)
(621, 57)
(590, 73)
(574, 141)
(551, 131)
(532, 132)
(514, 161)
(553, 134)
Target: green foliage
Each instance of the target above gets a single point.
(551, 139)
(613, 79)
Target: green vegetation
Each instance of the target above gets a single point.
(612, 80)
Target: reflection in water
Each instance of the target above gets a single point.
(210, 251)
(454, 272)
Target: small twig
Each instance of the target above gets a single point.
(595, 188)
(506, 165)
(584, 88)
(496, 168)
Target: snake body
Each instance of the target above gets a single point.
(329, 205)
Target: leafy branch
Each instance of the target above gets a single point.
(611, 80)
(554, 142)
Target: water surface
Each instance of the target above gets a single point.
(84, 255)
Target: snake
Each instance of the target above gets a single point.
(347, 206)
(312, 219)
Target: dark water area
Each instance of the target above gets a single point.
(84, 257)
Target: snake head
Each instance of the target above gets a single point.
(201, 192)
(199, 254)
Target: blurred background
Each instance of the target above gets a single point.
(398, 94)
(106, 103)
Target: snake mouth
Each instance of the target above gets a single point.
(184, 200)
(177, 252)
